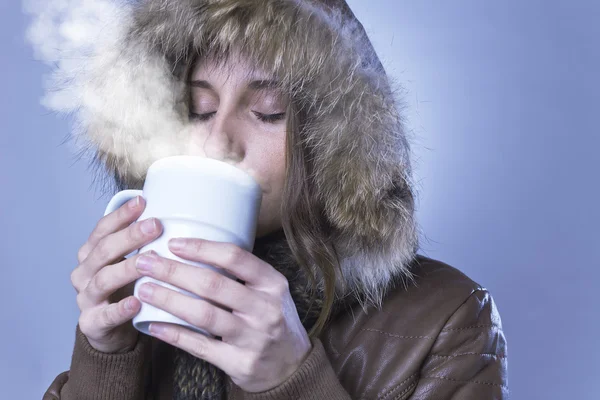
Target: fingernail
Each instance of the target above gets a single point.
(157, 329)
(129, 305)
(133, 203)
(177, 244)
(149, 226)
(146, 291)
(145, 263)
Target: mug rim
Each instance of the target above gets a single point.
(187, 160)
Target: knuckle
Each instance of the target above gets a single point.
(109, 316)
(233, 254)
(169, 269)
(176, 337)
(234, 330)
(282, 286)
(101, 229)
(102, 250)
(195, 245)
(82, 253)
(275, 322)
(75, 279)
(273, 316)
(199, 348)
(207, 316)
(85, 324)
(98, 284)
(268, 308)
(247, 367)
(211, 282)
(81, 302)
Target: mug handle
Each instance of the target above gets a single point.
(118, 200)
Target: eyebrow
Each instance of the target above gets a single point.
(201, 84)
(263, 84)
(254, 85)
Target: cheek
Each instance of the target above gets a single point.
(269, 165)
(272, 173)
(268, 159)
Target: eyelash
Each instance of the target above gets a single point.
(268, 118)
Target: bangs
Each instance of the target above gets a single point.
(268, 38)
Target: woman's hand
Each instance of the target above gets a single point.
(263, 340)
(104, 279)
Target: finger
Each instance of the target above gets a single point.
(113, 222)
(111, 248)
(235, 260)
(197, 312)
(220, 354)
(107, 281)
(203, 282)
(103, 319)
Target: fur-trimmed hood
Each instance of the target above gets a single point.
(321, 55)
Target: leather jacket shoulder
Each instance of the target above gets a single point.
(439, 338)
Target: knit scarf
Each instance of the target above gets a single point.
(196, 379)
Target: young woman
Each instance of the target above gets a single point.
(334, 302)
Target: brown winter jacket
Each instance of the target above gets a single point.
(439, 339)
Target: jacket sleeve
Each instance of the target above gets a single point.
(315, 379)
(468, 359)
(101, 376)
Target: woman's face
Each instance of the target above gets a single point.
(239, 117)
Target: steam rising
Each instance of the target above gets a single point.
(121, 96)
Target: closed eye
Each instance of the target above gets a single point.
(202, 117)
(270, 118)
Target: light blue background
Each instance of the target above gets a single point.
(503, 100)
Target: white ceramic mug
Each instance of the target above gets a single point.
(193, 197)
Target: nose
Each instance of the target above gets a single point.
(224, 141)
